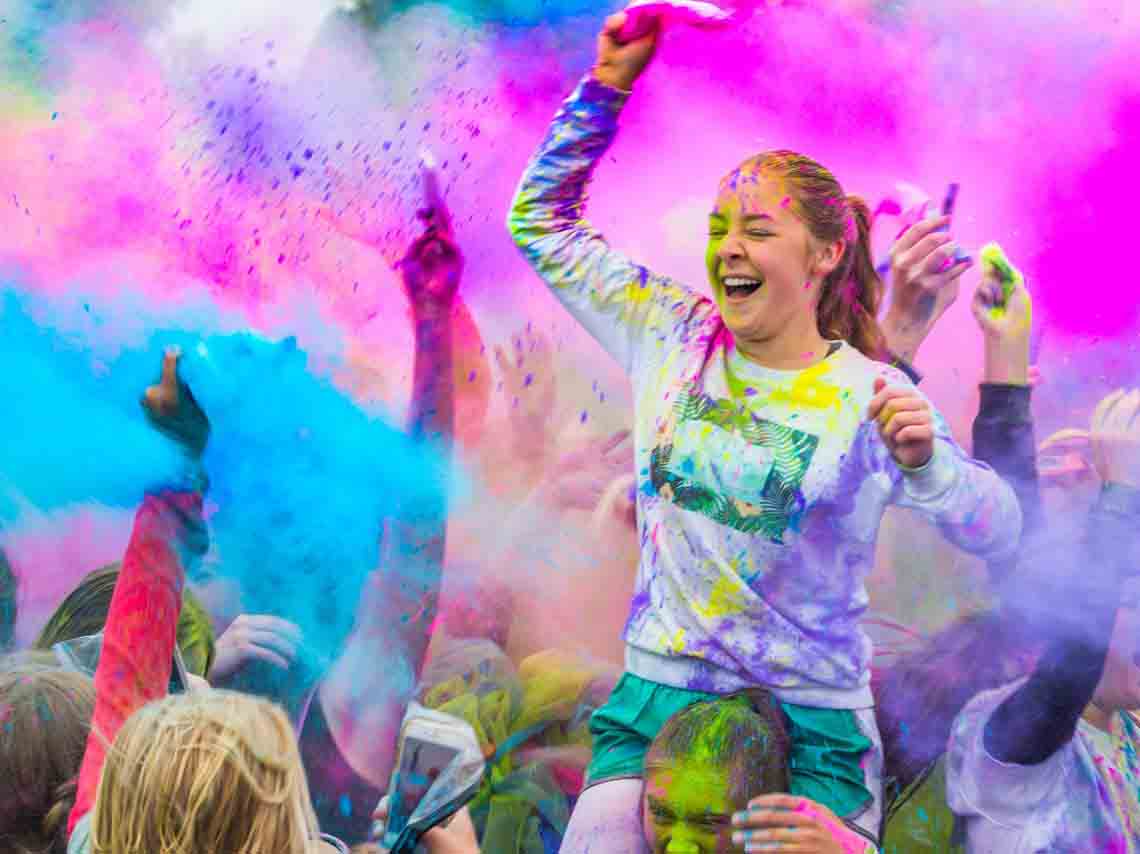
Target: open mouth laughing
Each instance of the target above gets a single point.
(740, 287)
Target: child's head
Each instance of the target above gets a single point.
(45, 714)
(203, 773)
(84, 612)
(789, 252)
(707, 762)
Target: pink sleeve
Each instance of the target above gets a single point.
(138, 641)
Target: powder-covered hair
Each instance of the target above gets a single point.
(204, 773)
(850, 297)
(84, 612)
(745, 734)
(45, 714)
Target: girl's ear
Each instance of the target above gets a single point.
(827, 258)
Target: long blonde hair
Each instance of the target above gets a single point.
(210, 773)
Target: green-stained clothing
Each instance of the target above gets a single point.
(529, 722)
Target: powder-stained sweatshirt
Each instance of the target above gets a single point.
(760, 491)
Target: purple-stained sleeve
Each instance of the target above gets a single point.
(628, 309)
(973, 507)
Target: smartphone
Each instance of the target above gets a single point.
(425, 751)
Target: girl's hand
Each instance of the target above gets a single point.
(905, 422)
(786, 823)
(619, 65)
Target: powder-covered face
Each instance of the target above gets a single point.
(1119, 687)
(686, 809)
(764, 267)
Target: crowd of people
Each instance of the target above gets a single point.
(773, 425)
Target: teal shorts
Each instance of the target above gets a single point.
(827, 745)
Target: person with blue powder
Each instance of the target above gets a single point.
(769, 442)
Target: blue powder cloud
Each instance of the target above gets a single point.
(301, 476)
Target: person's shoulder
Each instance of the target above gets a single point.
(858, 372)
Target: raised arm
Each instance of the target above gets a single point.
(1003, 428)
(364, 695)
(417, 541)
(1040, 717)
(138, 641)
(621, 303)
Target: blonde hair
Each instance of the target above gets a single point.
(210, 773)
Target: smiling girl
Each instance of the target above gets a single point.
(769, 443)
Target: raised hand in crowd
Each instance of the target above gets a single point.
(619, 64)
(172, 409)
(925, 278)
(1005, 324)
(432, 267)
(526, 374)
(582, 474)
